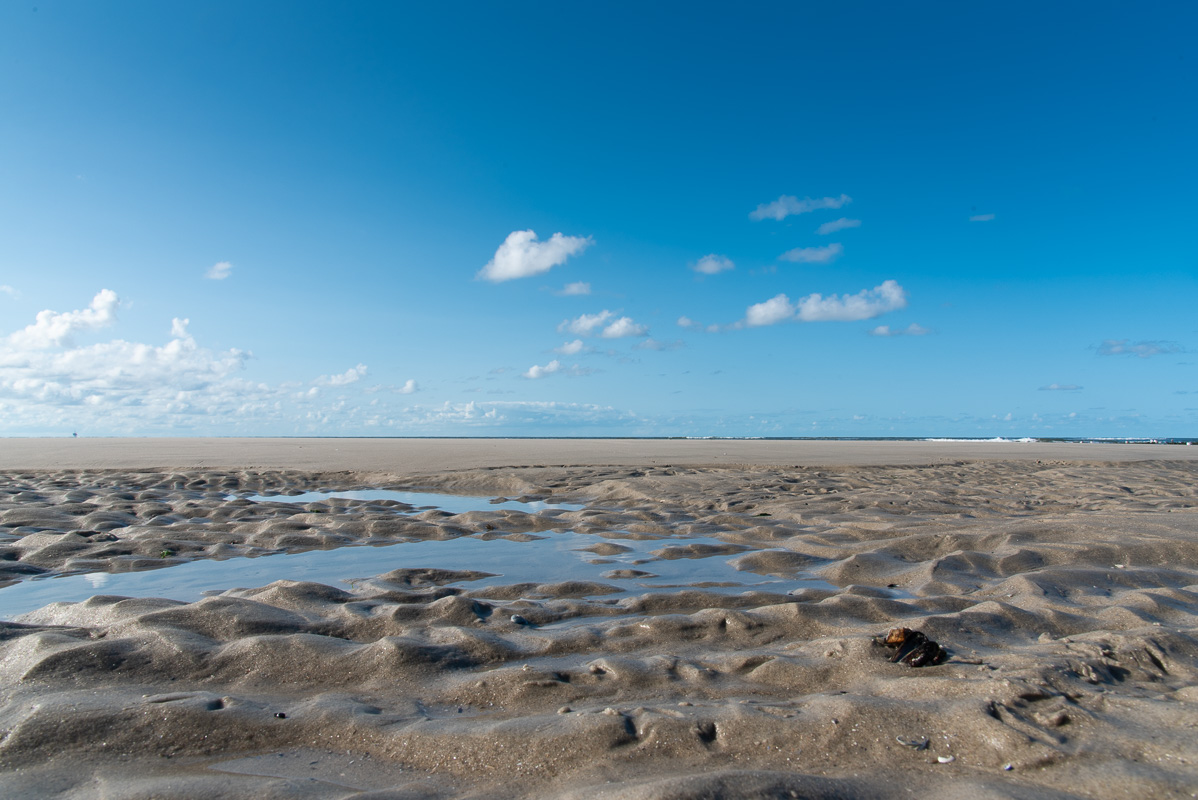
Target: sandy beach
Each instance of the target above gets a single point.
(602, 619)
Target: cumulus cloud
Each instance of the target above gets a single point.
(772, 311)
(866, 304)
(576, 288)
(409, 387)
(687, 322)
(535, 371)
(570, 348)
(219, 271)
(786, 205)
(1124, 347)
(1061, 387)
(55, 328)
(521, 255)
(351, 375)
(914, 329)
(622, 327)
(981, 218)
(712, 264)
(46, 381)
(584, 324)
(49, 385)
(813, 255)
(837, 225)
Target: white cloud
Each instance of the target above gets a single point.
(576, 288)
(622, 327)
(712, 264)
(786, 205)
(1061, 387)
(521, 255)
(535, 371)
(687, 322)
(814, 255)
(837, 225)
(981, 218)
(584, 324)
(772, 311)
(351, 375)
(914, 329)
(123, 388)
(219, 271)
(54, 328)
(46, 383)
(570, 348)
(1124, 347)
(866, 304)
(8, 290)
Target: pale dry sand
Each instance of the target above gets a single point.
(432, 455)
(1062, 579)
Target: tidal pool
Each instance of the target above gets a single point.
(551, 557)
(421, 501)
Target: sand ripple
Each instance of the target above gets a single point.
(1066, 595)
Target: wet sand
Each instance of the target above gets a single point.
(1062, 580)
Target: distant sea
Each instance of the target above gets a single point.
(1012, 440)
(1021, 440)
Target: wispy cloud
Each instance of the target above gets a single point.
(8, 290)
(219, 271)
(982, 218)
(1124, 347)
(576, 288)
(1061, 387)
(713, 264)
(507, 416)
(914, 329)
(687, 322)
(653, 344)
(623, 327)
(837, 225)
(584, 324)
(521, 255)
(813, 255)
(788, 205)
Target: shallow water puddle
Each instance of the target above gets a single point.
(553, 557)
(421, 501)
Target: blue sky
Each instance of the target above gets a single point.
(867, 219)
